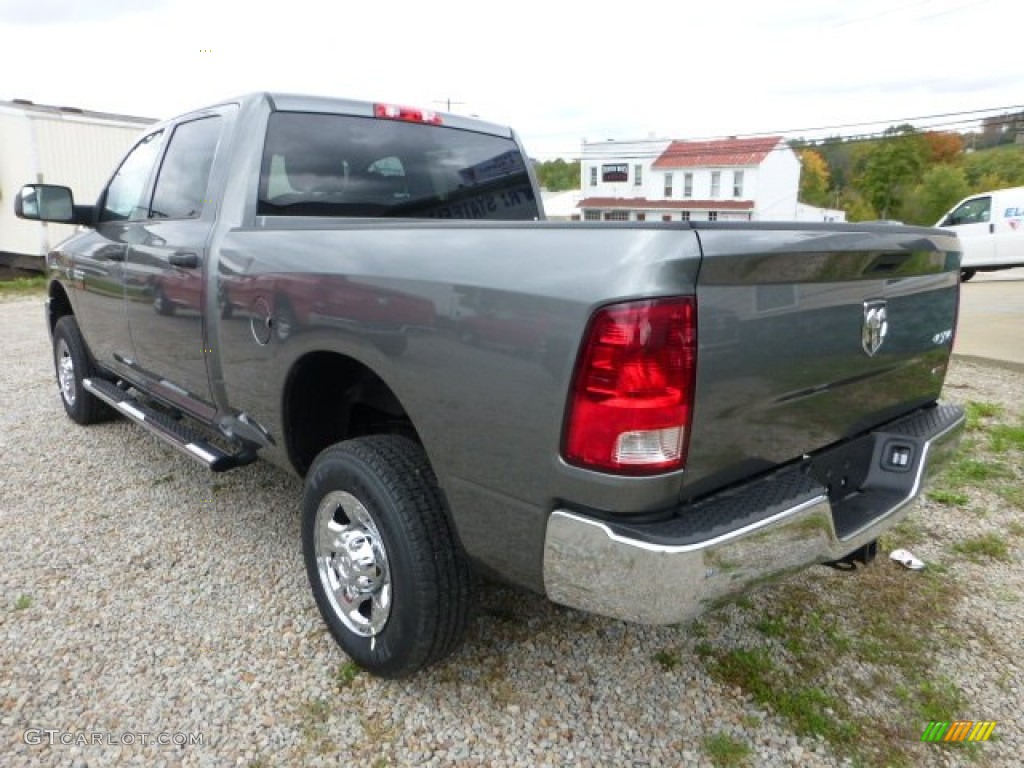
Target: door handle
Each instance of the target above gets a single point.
(991, 228)
(185, 259)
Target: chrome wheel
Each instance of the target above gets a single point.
(66, 373)
(352, 564)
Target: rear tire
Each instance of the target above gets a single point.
(73, 363)
(383, 561)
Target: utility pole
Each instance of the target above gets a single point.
(448, 103)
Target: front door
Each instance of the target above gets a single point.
(98, 274)
(972, 221)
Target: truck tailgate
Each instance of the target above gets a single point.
(811, 335)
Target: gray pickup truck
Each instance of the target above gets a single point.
(631, 419)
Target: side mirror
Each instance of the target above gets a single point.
(45, 202)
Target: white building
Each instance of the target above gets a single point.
(806, 212)
(55, 145)
(659, 179)
(561, 206)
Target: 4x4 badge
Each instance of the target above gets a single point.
(876, 326)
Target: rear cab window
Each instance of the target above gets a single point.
(341, 165)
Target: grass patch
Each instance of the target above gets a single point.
(1012, 494)
(965, 471)
(725, 751)
(668, 660)
(24, 286)
(978, 412)
(907, 533)
(987, 545)
(1016, 528)
(771, 626)
(937, 698)
(948, 498)
(346, 674)
(23, 602)
(884, 625)
(1006, 437)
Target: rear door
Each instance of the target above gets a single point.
(165, 265)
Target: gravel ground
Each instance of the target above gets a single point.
(163, 599)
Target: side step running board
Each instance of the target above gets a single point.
(187, 440)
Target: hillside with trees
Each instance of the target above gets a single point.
(911, 175)
(907, 174)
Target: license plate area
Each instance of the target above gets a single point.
(843, 469)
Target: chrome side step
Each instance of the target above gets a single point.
(189, 441)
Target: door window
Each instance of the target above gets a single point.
(976, 211)
(185, 171)
(124, 198)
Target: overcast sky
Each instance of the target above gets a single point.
(558, 71)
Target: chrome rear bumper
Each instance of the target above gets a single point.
(666, 572)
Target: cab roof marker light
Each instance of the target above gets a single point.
(407, 114)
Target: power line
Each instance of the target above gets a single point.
(610, 150)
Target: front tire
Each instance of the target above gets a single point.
(73, 363)
(383, 561)
(967, 274)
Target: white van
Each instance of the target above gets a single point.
(991, 230)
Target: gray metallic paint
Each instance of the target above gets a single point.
(485, 379)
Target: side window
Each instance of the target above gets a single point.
(973, 211)
(124, 196)
(185, 172)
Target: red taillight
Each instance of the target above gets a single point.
(409, 114)
(631, 399)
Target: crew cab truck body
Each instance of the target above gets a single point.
(633, 419)
(991, 230)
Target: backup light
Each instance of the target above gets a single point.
(631, 399)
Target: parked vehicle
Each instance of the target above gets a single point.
(991, 230)
(631, 419)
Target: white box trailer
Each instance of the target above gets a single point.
(56, 145)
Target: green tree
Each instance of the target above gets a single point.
(838, 154)
(856, 206)
(814, 178)
(995, 168)
(940, 188)
(887, 169)
(558, 175)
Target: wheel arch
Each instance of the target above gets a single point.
(329, 397)
(58, 304)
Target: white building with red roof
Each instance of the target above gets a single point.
(754, 179)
